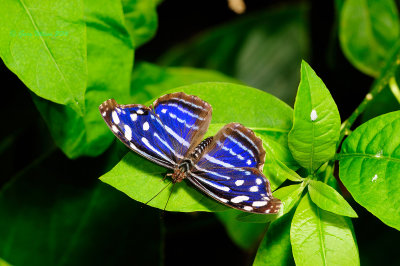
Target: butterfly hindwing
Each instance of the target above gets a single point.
(138, 127)
(186, 119)
(230, 170)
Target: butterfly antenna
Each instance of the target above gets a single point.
(159, 192)
(169, 196)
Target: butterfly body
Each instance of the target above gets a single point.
(228, 167)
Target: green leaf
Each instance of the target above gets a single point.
(244, 235)
(141, 179)
(289, 195)
(140, 20)
(368, 30)
(51, 216)
(275, 248)
(263, 49)
(149, 81)
(109, 64)
(369, 167)
(316, 122)
(44, 44)
(319, 237)
(329, 199)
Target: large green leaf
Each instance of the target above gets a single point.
(245, 235)
(263, 50)
(328, 199)
(316, 122)
(109, 64)
(44, 44)
(141, 179)
(149, 81)
(50, 215)
(368, 30)
(369, 167)
(140, 19)
(319, 237)
(275, 248)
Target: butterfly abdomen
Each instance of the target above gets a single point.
(198, 151)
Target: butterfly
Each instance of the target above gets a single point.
(227, 167)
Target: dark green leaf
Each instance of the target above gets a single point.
(44, 44)
(141, 179)
(329, 199)
(370, 167)
(245, 235)
(140, 20)
(368, 30)
(52, 216)
(316, 123)
(109, 64)
(275, 248)
(263, 50)
(319, 237)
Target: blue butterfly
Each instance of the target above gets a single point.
(227, 167)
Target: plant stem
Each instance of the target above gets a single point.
(387, 74)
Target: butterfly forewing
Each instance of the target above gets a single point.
(186, 119)
(230, 171)
(138, 127)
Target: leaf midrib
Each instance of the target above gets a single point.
(319, 225)
(75, 101)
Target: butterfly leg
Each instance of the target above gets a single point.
(166, 175)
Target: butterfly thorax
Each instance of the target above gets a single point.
(184, 167)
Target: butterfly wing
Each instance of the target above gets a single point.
(186, 119)
(230, 170)
(139, 128)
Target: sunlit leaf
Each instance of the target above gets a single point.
(319, 237)
(370, 167)
(328, 199)
(44, 44)
(316, 122)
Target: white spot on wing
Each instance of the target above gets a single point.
(239, 182)
(248, 162)
(239, 199)
(258, 181)
(140, 111)
(115, 117)
(146, 126)
(247, 208)
(114, 128)
(134, 117)
(128, 132)
(254, 189)
(164, 111)
(104, 114)
(313, 115)
(259, 203)
(374, 178)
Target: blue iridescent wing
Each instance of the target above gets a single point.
(139, 128)
(186, 119)
(230, 170)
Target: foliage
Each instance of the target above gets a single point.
(73, 55)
